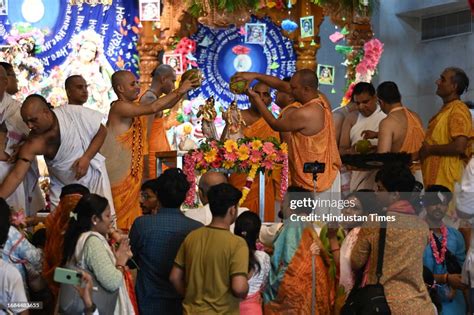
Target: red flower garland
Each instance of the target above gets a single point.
(440, 256)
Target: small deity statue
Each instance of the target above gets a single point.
(234, 123)
(209, 114)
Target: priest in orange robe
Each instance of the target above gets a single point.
(257, 127)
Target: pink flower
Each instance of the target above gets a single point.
(197, 156)
(361, 68)
(231, 156)
(255, 156)
(19, 218)
(267, 164)
(268, 148)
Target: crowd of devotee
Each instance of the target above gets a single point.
(118, 240)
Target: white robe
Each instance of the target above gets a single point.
(365, 179)
(77, 127)
(16, 131)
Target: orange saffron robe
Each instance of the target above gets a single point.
(452, 121)
(320, 147)
(56, 225)
(261, 130)
(126, 193)
(158, 142)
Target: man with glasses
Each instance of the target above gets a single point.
(367, 117)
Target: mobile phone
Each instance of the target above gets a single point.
(67, 276)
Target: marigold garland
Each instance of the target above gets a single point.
(245, 155)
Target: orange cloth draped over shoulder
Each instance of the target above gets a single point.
(320, 147)
(126, 194)
(158, 142)
(295, 290)
(56, 225)
(261, 130)
(452, 121)
(414, 137)
(415, 134)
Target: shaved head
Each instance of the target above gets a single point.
(119, 78)
(162, 71)
(307, 78)
(208, 180)
(36, 114)
(125, 85)
(35, 101)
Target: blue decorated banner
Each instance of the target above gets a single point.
(221, 53)
(49, 40)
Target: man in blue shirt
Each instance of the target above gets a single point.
(155, 240)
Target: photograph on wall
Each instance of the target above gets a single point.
(175, 61)
(326, 74)
(307, 26)
(3, 7)
(149, 10)
(255, 33)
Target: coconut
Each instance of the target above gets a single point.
(363, 146)
(192, 74)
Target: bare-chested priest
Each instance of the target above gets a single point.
(402, 129)
(126, 142)
(69, 137)
(311, 127)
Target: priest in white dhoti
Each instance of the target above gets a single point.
(12, 131)
(69, 138)
(367, 117)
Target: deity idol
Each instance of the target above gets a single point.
(209, 114)
(234, 123)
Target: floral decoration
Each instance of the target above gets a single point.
(366, 66)
(247, 155)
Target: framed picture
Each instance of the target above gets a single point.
(326, 74)
(175, 61)
(3, 7)
(307, 26)
(255, 33)
(149, 10)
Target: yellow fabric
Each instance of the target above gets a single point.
(321, 147)
(210, 257)
(261, 130)
(158, 142)
(126, 193)
(452, 121)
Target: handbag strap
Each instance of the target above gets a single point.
(383, 234)
(16, 261)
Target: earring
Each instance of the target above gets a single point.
(95, 223)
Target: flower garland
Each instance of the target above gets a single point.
(244, 155)
(440, 255)
(365, 69)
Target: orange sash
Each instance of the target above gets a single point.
(126, 194)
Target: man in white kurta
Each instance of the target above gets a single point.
(28, 194)
(69, 137)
